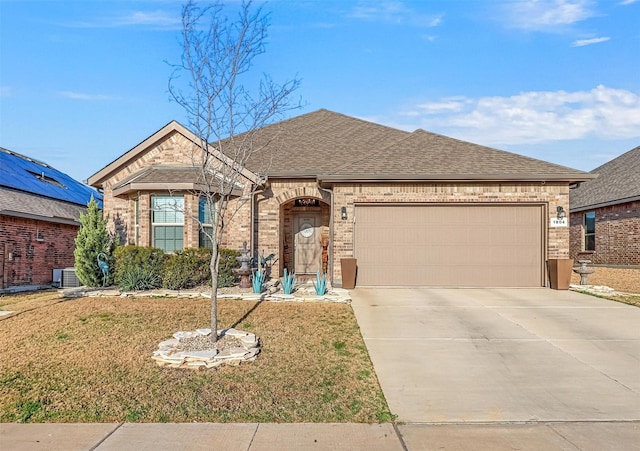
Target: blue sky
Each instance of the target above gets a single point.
(82, 82)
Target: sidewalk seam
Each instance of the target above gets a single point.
(106, 437)
(255, 432)
(399, 435)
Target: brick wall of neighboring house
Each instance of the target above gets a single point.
(272, 207)
(25, 260)
(617, 235)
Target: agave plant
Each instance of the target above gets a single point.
(320, 284)
(288, 282)
(257, 280)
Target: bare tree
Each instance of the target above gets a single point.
(226, 106)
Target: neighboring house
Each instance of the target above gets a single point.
(605, 213)
(40, 209)
(415, 209)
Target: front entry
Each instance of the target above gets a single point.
(307, 243)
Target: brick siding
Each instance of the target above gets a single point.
(274, 208)
(617, 235)
(27, 261)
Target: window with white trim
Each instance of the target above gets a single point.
(167, 222)
(590, 231)
(205, 218)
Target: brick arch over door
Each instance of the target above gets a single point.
(290, 214)
(303, 192)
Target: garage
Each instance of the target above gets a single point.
(450, 245)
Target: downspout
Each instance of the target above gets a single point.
(330, 229)
(262, 182)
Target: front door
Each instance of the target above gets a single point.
(307, 245)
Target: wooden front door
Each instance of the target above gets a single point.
(307, 245)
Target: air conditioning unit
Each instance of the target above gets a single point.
(57, 278)
(69, 278)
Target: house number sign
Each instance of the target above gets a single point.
(555, 222)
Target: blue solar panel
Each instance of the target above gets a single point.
(33, 176)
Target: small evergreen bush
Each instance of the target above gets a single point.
(186, 269)
(91, 240)
(136, 263)
(228, 262)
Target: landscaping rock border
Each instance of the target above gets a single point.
(301, 294)
(193, 350)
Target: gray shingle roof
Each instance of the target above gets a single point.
(333, 146)
(168, 178)
(316, 143)
(618, 181)
(429, 155)
(17, 203)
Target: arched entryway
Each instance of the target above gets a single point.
(304, 229)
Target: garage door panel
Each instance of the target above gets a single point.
(449, 245)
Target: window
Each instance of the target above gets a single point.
(167, 222)
(590, 231)
(206, 223)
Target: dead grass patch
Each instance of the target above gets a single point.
(626, 280)
(88, 360)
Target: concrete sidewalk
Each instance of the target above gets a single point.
(585, 436)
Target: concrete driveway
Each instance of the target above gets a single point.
(502, 355)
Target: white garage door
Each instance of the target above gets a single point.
(449, 245)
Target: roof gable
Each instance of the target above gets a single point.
(131, 155)
(618, 182)
(19, 172)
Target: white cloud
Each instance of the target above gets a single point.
(157, 19)
(394, 12)
(83, 96)
(546, 15)
(583, 42)
(627, 2)
(532, 117)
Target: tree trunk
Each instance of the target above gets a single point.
(214, 266)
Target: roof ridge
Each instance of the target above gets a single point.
(616, 160)
(30, 159)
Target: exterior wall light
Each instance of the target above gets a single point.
(343, 213)
(561, 214)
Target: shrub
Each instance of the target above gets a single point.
(190, 268)
(138, 265)
(228, 262)
(91, 240)
(138, 278)
(186, 269)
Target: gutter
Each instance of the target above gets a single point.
(54, 219)
(252, 227)
(456, 178)
(604, 204)
(331, 218)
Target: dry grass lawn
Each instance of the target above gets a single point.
(88, 360)
(626, 280)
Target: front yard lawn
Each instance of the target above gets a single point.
(89, 360)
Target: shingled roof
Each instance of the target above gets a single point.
(32, 189)
(618, 182)
(332, 147)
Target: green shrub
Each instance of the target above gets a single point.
(226, 276)
(91, 240)
(138, 266)
(186, 269)
(138, 278)
(190, 268)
